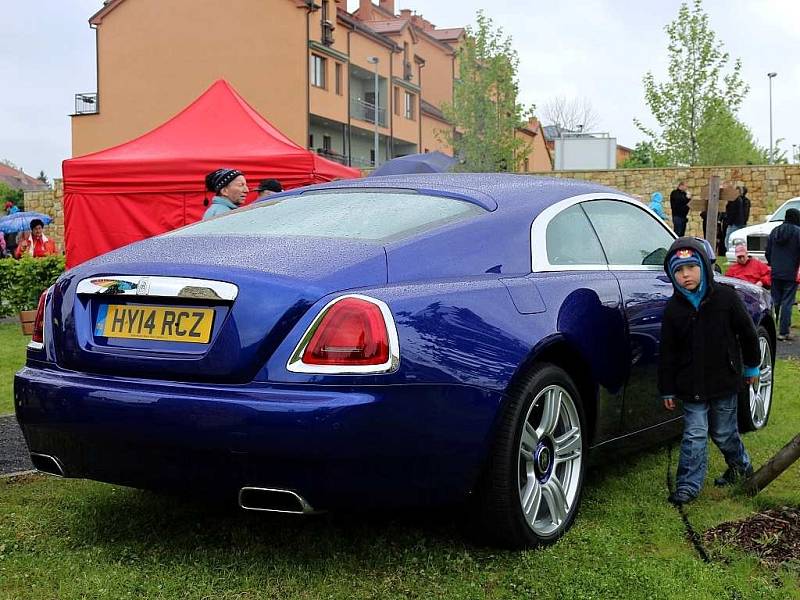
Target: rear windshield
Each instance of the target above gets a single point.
(781, 214)
(375, 215)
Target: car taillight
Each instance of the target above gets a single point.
(38, 323)
(352, 333)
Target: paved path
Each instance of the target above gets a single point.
(13, 452)
(790, 349)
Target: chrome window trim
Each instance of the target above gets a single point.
(636, 267)
(296, 364)
(540, 262)
(154, 286)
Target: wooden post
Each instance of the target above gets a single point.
(712, 211)
(773, 467)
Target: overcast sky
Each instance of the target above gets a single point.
(598, 49)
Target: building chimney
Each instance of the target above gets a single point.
(365, 9)
(387, 5)
(405, 13)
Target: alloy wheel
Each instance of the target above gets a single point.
(549, 460)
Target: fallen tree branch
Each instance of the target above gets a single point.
(773, 467)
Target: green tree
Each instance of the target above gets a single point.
(645, 154)
(724, 140)
(698, 85)
(8, 193)
(485, 112)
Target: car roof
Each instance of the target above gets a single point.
(505, 192)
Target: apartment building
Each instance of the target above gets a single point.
(327, 78)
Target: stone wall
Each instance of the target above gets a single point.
(768, 186)
(50, 202)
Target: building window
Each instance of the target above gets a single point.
(326, 143)
(527, 169)
(311, 140)
(396, 101)
(319, 67)
(409, 106)
(407, 73)
(338, 80)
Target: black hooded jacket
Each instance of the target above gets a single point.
(702, 350)
(783, 248)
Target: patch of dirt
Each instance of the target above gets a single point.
(772, 535)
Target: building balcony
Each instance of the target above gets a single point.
(365, 111)
(87, 104)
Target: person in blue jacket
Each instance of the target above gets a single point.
(655, 205)
(230, 189)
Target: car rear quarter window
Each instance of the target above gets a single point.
(571, 240)
(630, 236)
(378, 216)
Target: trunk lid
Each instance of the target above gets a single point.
(209, 308)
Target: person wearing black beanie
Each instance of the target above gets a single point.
(268, 187)
(783, 256)
(230, 189)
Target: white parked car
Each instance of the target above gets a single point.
(755, 236)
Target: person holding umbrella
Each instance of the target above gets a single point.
(37, 244)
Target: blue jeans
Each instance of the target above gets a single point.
(729, 232)
(679, 225)
(783, 292)
(724, 430)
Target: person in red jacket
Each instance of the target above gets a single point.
(37, 244)
(749, 269)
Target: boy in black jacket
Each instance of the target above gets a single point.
(705, 330)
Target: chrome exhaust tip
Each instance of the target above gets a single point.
(47, 464)
(274, 500)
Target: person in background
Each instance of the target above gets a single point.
(267, 187)
(709, 350)
(230, 189)
(749, 269)
(37, 244)
(745, 206)
(656, 200)
(3, 251)
(783, 255)
(11, 208)
(734, 216)
(679, 205)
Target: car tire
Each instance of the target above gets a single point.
(755, 401)
(532, 485)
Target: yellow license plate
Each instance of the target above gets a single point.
(167, 323)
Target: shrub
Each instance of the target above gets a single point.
(23, 281)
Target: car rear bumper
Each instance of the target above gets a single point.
(334, 445)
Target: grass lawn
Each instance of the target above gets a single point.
(79, 539)
(12, 358)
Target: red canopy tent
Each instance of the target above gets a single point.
(155, 183)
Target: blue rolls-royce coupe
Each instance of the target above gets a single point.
(388, 341)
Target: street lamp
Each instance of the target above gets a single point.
(771, 155)
(374, 60)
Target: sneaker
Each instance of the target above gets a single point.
(680, 497)
(732, 476)
(781, 337)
